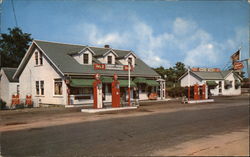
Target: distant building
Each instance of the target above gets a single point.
(8, 85)
(218, 82)
(63, 74)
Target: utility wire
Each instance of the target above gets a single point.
(14, 12)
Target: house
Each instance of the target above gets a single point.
(8, 85)
(63, 74)
(218, 82)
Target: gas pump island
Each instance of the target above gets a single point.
(97, 91)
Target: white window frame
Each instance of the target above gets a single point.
(54, 92)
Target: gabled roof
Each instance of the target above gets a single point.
(9, 72)
(204, 75)
(58, 54)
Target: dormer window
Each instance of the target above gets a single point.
(130, 60)
(109, 59)
(85, 58)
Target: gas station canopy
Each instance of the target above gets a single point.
(106, 79)
(152, 83)
(124, 83)
(211, 83)
(81, 82)
(139, 80)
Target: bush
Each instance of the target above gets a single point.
(176, 92)
(2, 104)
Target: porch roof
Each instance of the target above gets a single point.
(81, 82)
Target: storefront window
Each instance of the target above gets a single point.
(58, 86)
(143, 88)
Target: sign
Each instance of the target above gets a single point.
(111, 67)
(114, 67)
(238, 65)
(206, 69)
(99, 66)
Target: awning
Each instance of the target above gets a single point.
(139, 80)
(81, 82)
(106, 79)
(211, 83)
(124, 83)
(152, 83)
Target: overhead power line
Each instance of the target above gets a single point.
(14, 12)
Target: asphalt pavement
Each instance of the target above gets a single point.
(133, 135)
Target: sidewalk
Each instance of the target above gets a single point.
(229, 144)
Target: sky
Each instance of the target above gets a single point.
(199, 33)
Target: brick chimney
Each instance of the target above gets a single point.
(106, 46)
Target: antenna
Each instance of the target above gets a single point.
(14, 12)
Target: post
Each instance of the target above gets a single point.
(129, 83)
(188, 84)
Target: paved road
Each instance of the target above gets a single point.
(134, 135)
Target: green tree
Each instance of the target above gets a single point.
(13, 47)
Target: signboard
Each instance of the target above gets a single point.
(206, 69)
(111, 67)
(238, 65)
(99, 66)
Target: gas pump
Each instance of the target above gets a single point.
(115, 92)
(196, 92)
(97, 88)
(203, 91)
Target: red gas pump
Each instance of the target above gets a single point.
(196, 92)
(97, 88)
(115, 92)
(203, 91)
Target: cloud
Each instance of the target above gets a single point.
(196, 46)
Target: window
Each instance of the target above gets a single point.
(42, 87)
(17, 89)
(130, 60)
(37, 87)
(41, 58)
(86, 59)
(36, 57)
(109, 59)
(58, 86)
(87, 90)
(143, 88)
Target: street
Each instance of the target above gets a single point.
(147, 131)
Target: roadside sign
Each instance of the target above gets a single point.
(238, 65)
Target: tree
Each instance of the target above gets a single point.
(13, 47)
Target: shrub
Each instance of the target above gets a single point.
(2, 104)
(176, 92)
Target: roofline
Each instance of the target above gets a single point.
(25, 56)
(131, 52)
(28, 52)
(190, 73)
(49, 59)
(78, 45)
(110, 50)
(228, 74)
(84, 50)
(59, 42)
(68, 73)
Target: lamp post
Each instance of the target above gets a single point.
(188, 83)
(129, 66)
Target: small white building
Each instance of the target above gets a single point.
(8, 85)
(218, 82)
(63, 74)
